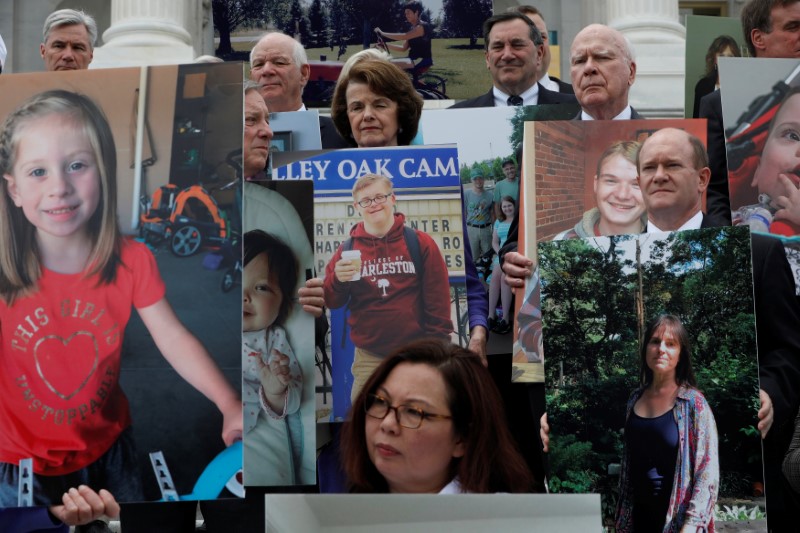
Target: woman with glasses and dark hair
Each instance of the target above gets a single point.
(430, 420)
(392, 278)
(670, 460)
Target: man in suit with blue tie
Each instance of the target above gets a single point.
(514, 50)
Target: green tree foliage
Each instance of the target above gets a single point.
(343, 17)
(230, 14)
(591, 341)
(317, 25)
(464, 18)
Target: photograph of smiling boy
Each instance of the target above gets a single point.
(763, 160)
(424, 183)
(584, 185)
(212, 316)
(388, 280)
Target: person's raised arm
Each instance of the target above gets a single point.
(415, 32)
(194, 364)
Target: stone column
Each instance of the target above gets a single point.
(659, 42)
(147, 32)
(593, 11)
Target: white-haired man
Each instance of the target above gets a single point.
(68, 39)
(279, 65)
(603, 69)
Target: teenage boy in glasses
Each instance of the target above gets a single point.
(397, 291)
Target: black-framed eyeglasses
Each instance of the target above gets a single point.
(407, 416)
(378, 199)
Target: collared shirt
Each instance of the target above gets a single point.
(549, 84)
(454, 487)
(696, 483)
(693, 223)
(626, 114)
(529, 97)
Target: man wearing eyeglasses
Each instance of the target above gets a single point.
(394, 294)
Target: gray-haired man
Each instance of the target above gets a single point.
(68, 40)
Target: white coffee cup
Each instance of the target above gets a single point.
(355, 257)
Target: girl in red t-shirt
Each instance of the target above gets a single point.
(68, 280)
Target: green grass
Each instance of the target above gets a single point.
(463, 68)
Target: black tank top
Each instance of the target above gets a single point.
(652, 452)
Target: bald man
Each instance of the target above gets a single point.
(603, 69)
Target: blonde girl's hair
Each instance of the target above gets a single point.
(20, 263)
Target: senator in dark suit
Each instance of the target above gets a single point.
(603, 70)
(551, 83)
(514, 52)
(777, 320)
(544, 97)
(279, 65)
(330, 136)
(718, 198)
(634, 115)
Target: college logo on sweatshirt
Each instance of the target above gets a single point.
(380, 269)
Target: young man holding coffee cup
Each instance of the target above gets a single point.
(391, 300)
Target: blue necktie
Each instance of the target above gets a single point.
(514, 100)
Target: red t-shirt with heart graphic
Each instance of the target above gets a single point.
(60, 399)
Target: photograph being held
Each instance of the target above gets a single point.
(776, 176)
(59, 218)
(386, 285)
(272, 378)
(670, 462)
(498, 288)
(417, 40)
(430, 420)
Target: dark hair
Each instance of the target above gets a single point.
(282, 265)
(507, 161)
(526, 10)
(757, 15)
(684, 374)
(414, 6)
(718, 45)
(385, 79)
(491, 461)
(507, 16)
(794, 91)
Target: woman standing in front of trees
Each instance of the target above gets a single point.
(670, 461)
